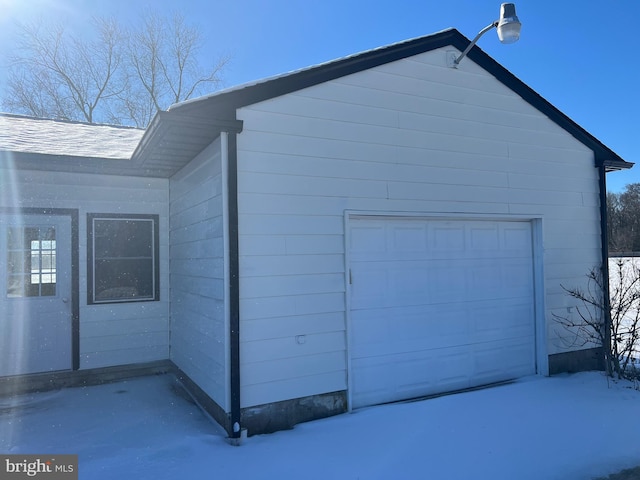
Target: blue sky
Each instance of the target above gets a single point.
(579, 55)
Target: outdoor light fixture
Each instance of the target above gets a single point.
(508, 28)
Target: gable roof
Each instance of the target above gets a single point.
(43, 144)
(174, 137)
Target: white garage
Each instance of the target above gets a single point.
(438, 305)
(361, 231)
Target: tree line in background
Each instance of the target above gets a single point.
(623, 215)
(122, 75)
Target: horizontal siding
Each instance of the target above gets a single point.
(253, 308)
(95, 327)
(291, 326)
(113, 194)
(435, 83)
(418, 130)
(265, 371)
(266, 350)
(198, 324)
(335, 168)
(133, 341)
(256, 266)
(292, 224)
(290, 244)
(409, 136)
(201, 230)
(352, 103)
(111, 334)
(265, 204)
(212, 288)
(293, 387)
(141, 354)
(293, 284)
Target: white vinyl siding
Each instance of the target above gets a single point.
(412, 136)
(199, 330)
(109, 334)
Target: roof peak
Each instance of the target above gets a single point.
(321, 65)
(222, 105)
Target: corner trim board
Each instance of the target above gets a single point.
(234, 287)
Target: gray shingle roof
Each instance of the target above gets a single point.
(69, 139)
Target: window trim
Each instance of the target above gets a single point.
(155, 247)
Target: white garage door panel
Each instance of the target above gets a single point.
(389, 282)
(436, 326)
(438, 306)
(428, 372)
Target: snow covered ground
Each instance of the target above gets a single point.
(564, 427)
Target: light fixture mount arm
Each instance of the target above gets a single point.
(507, 26)
(474, 41)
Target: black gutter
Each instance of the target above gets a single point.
(234, 287)
(604, 236)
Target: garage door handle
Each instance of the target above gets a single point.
(65, 300)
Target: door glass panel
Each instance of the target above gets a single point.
(31, 261)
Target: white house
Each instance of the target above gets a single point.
(376, 228)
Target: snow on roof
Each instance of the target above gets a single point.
(24, 134)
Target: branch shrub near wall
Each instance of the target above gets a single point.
(585, 325)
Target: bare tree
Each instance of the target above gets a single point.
(61, 76)
(623, 219)
(163, 68)
(616, 329)
(121, 76)
(618, 240)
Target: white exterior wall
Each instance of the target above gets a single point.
(410, 136)
(110, 334)
(199, 328)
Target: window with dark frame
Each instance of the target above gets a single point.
(31, 261)
(122, 258)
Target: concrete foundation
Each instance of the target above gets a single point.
(578, 361)
(271, 417)
(284, 415)
(42, 382)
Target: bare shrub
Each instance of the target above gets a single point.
(616, 329)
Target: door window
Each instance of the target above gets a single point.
(31, 261)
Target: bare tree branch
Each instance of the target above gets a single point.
(588, 326)
(61, 76)
(122, 76)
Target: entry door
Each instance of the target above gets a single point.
(35, 294)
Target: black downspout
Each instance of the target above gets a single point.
(234, 287)
(604, 235)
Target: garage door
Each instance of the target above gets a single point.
(438, 306)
